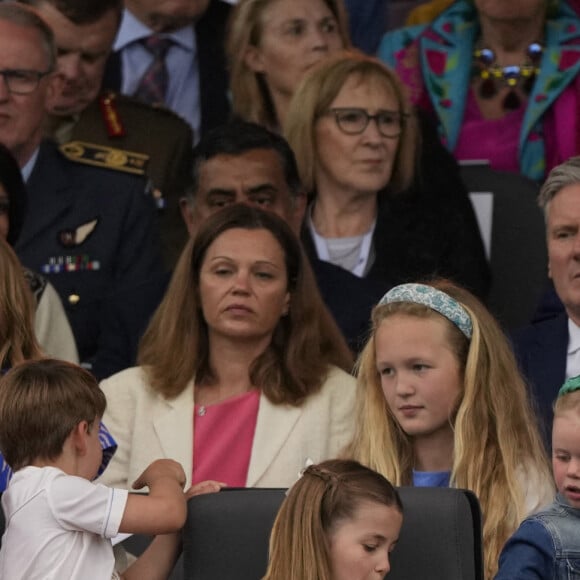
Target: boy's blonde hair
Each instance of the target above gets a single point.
(566, 403)
(497, 441)
(41, 402)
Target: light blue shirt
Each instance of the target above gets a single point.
(29, 166)
(183, 93)
(431, 478)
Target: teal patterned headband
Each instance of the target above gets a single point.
(434, 299)
(571, 385)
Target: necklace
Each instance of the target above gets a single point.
(494, 76)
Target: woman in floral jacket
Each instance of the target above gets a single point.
(501, 78)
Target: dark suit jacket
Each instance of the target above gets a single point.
(119, 243)
(541, 349)
(367, 21)
(416, 239)
(167, 141)
(213, 78)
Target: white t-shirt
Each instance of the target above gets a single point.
(59, 526)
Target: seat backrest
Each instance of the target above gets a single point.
(518, 243)
(226, 535)
(441, 537)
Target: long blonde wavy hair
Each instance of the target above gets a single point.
(498, 450)
(17, 339)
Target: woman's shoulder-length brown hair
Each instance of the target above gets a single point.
(314, 97)
(250, 97)
(175, 348)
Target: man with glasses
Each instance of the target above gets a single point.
(86, 228)
(153, 140)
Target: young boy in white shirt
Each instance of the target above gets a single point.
(59, 523)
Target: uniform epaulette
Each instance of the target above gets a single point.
(129, 101)
(106, 157)
(111, 118)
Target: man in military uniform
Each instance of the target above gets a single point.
(152, 140)
(89, 227)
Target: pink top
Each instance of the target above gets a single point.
(223, 435)
(496, 140)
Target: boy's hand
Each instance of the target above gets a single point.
(160, 469)
(204, 487)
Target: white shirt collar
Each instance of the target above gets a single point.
(133, 30)
(573, 337)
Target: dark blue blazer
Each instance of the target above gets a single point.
(367, 21)
(213, 78)
(541, 349)
(88, 230)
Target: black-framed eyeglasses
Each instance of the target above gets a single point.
(354, 121)
(22, 82)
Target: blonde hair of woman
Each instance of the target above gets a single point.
(251, 99)
(497, 448)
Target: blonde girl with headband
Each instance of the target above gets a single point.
(340, 521)
(441, 403)
(547, 545)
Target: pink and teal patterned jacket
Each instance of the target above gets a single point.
(434, 61)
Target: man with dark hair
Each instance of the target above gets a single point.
(98, 125)
(238, 162)
(87, 228)
(261, 171)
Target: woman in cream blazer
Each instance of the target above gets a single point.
(242, 314)
(148, 426)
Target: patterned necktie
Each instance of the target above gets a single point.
(152, 87)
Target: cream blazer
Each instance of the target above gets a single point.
(148, 426)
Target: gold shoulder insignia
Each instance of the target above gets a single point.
(108, 157)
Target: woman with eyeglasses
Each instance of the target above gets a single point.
(356, 142)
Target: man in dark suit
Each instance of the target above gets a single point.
(87, 228)
(549, 350)
(193, 61)
(153, 141)
(238, 162)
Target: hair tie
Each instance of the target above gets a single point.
(571, 385)
(433, 299)
(315, 471)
